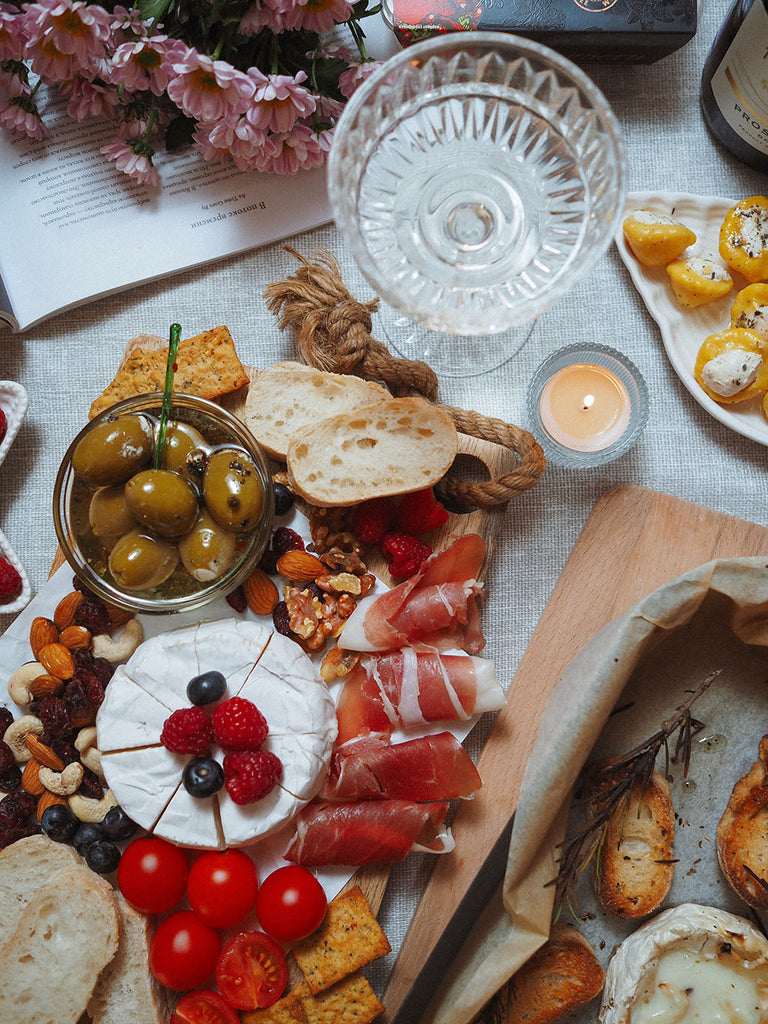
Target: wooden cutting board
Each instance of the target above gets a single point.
(634, 541)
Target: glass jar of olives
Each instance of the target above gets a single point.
(168, 534)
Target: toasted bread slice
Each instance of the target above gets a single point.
(635, 866)
(24, 866)
(561, 975)
(742, 834)
(51, 962)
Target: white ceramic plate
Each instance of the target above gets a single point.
(683, 330)
(13, 402)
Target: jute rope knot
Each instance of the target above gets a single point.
(333, 331)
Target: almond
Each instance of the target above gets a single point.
(65, 610)
(45, 686)
(118, 616)
(43, 753)
(75, 638)
(260, 593)
(30, 777)
(57, 661)
(42, 632)
(300, 566)
(48, 799)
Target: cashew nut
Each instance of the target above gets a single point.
(19, 683)
(63, 783)
(90, 755)
(120, 648)
(16, 733)
(86, 808)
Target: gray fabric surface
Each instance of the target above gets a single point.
(67, 360)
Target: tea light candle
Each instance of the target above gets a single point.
(588, 405)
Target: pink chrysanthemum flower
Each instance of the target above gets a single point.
(212, 152)
(328, 110)
(209, 89)
(13, 79)
(146, 64)
(20, 115)
(351, 79)
(134, 159)
(126, 25)
(13, 36)
(323, 15)
(47, 61)
(276, 16)
(296, 150)
(279, 101)
(89, 99)
(76, 28)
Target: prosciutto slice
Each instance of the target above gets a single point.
(367, 832)
(436, 607)
(425, 769)
(411, 687)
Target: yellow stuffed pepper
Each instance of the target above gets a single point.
(744, 238)
(654, 239)
(750, 309)
(733, 366)
(697, 280)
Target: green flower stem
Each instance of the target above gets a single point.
(165, 411)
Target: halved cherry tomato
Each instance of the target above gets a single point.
(251, 972)
(152, 874)
(203, 1007)
(291, 903)
(183, 951)
(222, 887)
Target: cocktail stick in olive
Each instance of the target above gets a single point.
(232, 490)
(139, 561)
(163, 501)
(111, 452)
(108, 512)
(208, 550)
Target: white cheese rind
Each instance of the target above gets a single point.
(143, 781)
(129, 716)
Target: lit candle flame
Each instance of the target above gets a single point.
(588, 402)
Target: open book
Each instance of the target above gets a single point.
(75, 228)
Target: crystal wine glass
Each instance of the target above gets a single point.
(477, 177)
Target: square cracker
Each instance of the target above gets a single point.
(351, 1001)
(349, 937)
(207, 365)
(288, 1010)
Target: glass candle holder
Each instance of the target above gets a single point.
(587, 405)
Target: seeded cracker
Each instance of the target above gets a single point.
(288, 1010)
(351, 1001)
(348, 938)
(207, 366)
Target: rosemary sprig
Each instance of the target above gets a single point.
(612, 781)
(165, 409)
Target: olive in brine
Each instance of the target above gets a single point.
(208, 550)
(180, 440)
(139, 561)
(232, 490)
(112, 451)
(108, 512)
(163, 501)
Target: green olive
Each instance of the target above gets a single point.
(139, 561)
(108, 512)
(163, 501)
(180, 440)
(207, 551)
(232, 490)
(112, 451)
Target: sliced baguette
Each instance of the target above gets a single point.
(51, 962)
(635, 866)
(396, 446)
(24, 866)
(126, 989)
(561, 975)
(287, 397)
(742, 834)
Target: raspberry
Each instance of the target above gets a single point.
(10, 580)
(420, 512)
(187, 731)
(3, 424)
(238, 724)
(250, 775)
(285, 539)
(405, 553)
(372, 519)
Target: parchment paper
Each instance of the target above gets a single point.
(644, 664)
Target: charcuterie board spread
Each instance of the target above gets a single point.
(245, 732)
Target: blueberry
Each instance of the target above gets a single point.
(117, 824)
(206, 688)
(283, 499)
(202, 776)
(102, 857)
(85, 835)
(59, 823)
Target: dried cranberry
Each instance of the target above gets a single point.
(6, 718)
(76, 699)
(11, 833)
(78, 584)
(17, 807)
(268, 562)
(103, 669)
(281, 618)
(7, 760)
(237, 600)
(10, 779)
(90, 786)
(94, 688)
(93, 615)
(82, 658)
(65, 748)
(285, 539)
(54, 716)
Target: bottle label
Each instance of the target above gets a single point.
(740, 83)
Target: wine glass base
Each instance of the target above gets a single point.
(449, 355)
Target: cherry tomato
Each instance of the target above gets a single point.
(152, 874)
(290, 903)
(203, 1007)
(222, 887)
(251, 972)
(183, 951)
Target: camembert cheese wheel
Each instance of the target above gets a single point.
(260, 665)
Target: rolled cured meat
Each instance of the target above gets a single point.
(436, 607)
(367, 832)
(426, 769)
